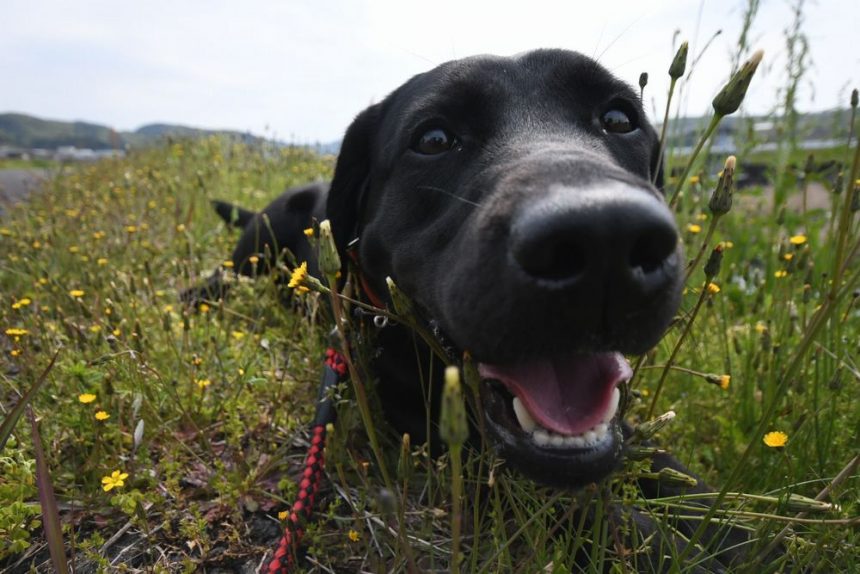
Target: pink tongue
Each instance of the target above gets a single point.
(567, 395)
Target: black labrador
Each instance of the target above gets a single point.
(511, 199)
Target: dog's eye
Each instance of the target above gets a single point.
(434, 142)
(616, 121)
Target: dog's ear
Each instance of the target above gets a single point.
(351, 177)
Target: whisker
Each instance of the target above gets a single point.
(449, 194)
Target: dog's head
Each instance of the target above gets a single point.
(511, 199)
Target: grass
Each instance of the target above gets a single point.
(203, 415)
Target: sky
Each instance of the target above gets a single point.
(301, 70)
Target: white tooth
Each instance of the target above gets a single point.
(613, 405)
(601, 429)
(590, 437)
(541, 437)
(556, 440)
(523, 417)
(575, 441)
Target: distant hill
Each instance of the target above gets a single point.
(19, 130)
(28, 132)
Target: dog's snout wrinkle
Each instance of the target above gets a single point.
(610, 232)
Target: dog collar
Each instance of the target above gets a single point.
(352, 252)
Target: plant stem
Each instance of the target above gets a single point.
(358, 385)
(715, 121)
(675, 350)
(708, 235)
(663, 131)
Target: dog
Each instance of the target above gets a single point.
(512, 200)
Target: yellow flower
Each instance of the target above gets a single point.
(228, 264)
(16, 332)
(116, 332)
(37, 245)
(797, 239)
(43, 280)
(725, 381)
(102, 261)
(702, 217)
(354, 535)
(168, 308)
(131, 228)
(283, 515)
(102, 416)
(204, 308)
(713, 288)
(76, 293)
(694, 228)
(15, 352)
(86, 398)
(309, 232)
(180, 228)
(694, 179)
(775, 439)
(151, 204)
(780, 274)
(788, 256)
(5, 231)
(95, 328)
(253, 259)
(115, 480)
(74, 249)
(203, 383)
(99, 235)
(196, 361)
(22, 302)
(299, 274)
(760, 327)
(238, 335)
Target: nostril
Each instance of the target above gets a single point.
(553, 258)
(650, 250)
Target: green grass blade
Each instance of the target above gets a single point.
(48, 502)
(11, 419)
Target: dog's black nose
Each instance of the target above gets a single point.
(609, 234)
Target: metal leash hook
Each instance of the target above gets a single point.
(284, 559)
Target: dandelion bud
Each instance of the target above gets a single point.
(679, 64)
(329, 259)
(643, 80)
(670, 476)
(648, 429)
(721, 199)
(404, 465)
(712, 267)
(402, 304)
(854, 98)
(800, 503)
(837, 185)
(809, 167)
(453, 427)
(640, 452)
(732, 95)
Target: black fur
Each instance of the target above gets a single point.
(535, 234)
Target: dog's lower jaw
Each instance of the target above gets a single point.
(551, 464)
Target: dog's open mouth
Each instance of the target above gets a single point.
(558, 414)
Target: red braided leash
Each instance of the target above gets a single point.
(284, 558)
